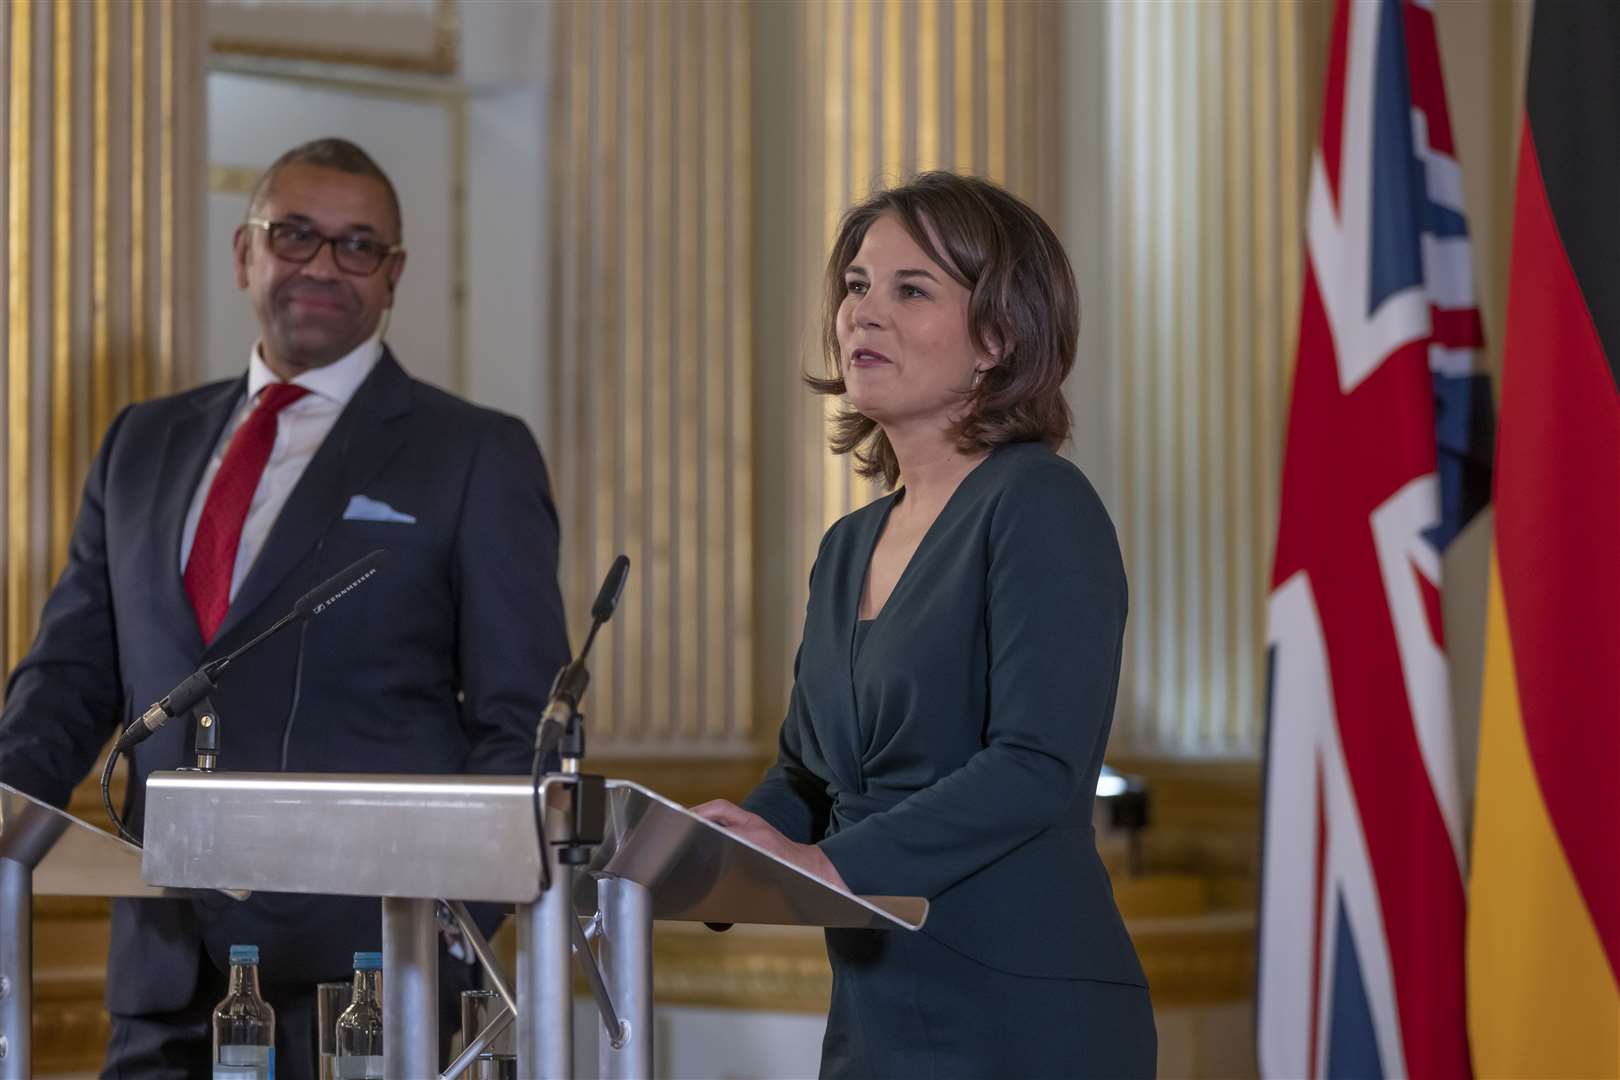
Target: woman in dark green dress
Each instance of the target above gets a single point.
(956, 680)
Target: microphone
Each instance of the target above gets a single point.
(560, 723)
(184, 697)
(607, 598)
(336, 587)
(569, 686)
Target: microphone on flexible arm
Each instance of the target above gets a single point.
(562, 723)
(569, 686)
(196, 687)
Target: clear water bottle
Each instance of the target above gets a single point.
(244, 1024)
(360, 1028)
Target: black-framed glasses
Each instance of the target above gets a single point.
(297, 242)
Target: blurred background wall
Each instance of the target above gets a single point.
(617, 215)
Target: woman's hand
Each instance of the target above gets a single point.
(757, 831)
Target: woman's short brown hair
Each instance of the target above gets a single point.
(1023, 301)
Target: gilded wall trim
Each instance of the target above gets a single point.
(1207, 125)
(80, 327)
(93, 313)
(1190, 960)
(62, 461)
(19, 336)
(650, 425)
(233, 179)
(141, 384)
(440, 57)
(101, 376)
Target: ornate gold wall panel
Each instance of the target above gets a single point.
(1208, 143)
(103, 142)
(651, 437)
(103, 112)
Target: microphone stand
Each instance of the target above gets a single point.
(195, 693)
(562, 727)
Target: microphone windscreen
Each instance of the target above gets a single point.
(612, 586)
(338, 585)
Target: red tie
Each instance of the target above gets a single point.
(219, 530)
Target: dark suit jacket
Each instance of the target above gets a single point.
(956, 756)
(440, 664)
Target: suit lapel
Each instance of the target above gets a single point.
(186, 448)
(366, 435)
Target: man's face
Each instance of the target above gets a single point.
(314, 313)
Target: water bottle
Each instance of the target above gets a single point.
(244, 1024)
(360, 1028)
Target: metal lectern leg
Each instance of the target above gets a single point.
(626, 952)
(545, 990)
(410, 945)
(16, 968)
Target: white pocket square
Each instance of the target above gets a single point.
(361, 508)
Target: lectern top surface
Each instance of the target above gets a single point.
(471, 838)
(69, 857)
(700, 872)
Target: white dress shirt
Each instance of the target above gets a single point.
(300, 430)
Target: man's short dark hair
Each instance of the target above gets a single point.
(330, 153)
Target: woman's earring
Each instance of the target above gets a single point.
(978, 377)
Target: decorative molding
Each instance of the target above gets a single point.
(250, 30)
(20, 270)
(233, 179)
(751, 968)
(1205, 821)
(1189, 960)
(1201, 960)
(690, 779)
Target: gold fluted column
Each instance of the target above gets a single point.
(651, 435)
(104, 114)
(1210, 135)
(104, 127)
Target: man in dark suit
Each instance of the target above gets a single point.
(206, 514)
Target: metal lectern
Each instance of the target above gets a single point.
(414, 840)
(46, 852)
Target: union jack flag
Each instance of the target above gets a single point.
(1387, 458)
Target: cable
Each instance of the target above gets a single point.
(303, 630)
(106, 797)
(550, 735)
(540, 818)
(298, 690)
(298, 664)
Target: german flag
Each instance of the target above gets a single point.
(1544, 910)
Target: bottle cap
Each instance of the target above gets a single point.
(244, 954)
(368, 961)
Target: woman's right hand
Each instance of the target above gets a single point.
(759, 832)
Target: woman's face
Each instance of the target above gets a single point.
(904, 348)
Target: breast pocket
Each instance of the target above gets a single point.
(413, 580)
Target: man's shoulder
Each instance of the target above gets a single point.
(451, 416)
(207, 394)
(443, 405)
(156, 414)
